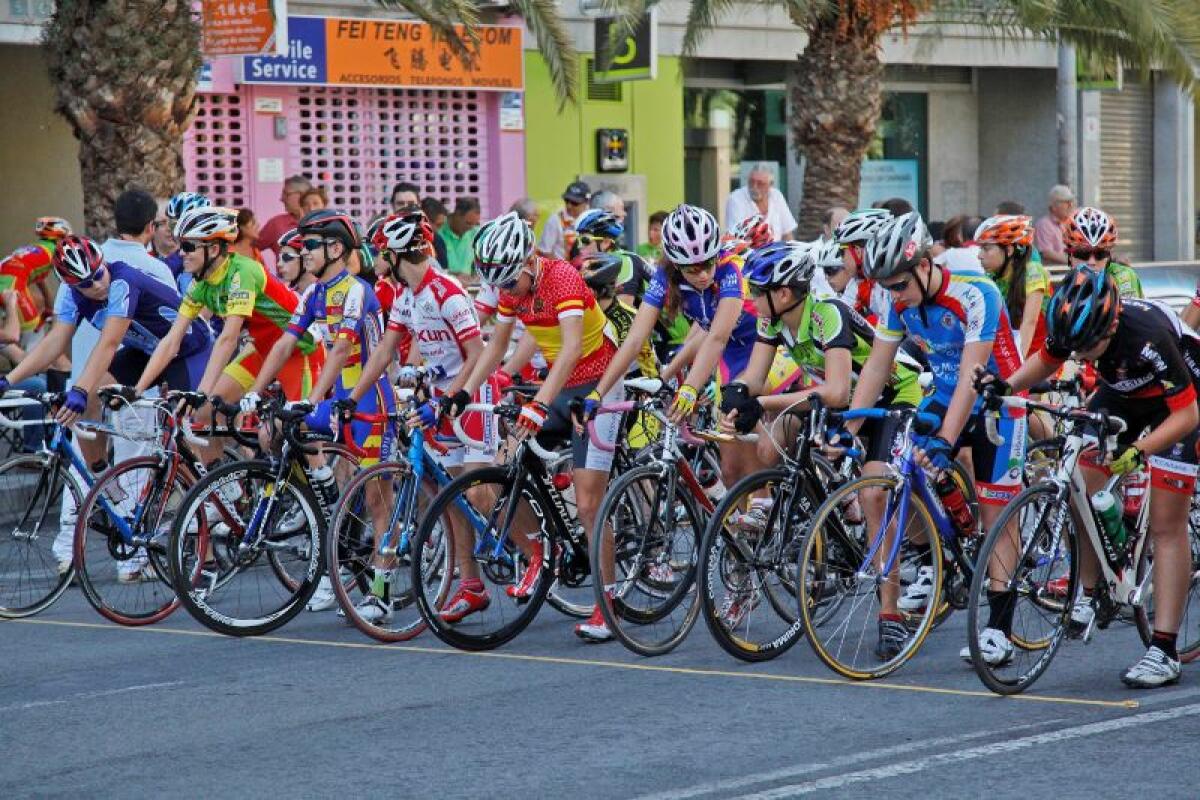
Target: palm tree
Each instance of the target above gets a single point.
(124, 72)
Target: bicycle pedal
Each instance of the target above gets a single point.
(1088, 631)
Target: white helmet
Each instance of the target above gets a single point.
(898, 246)
(827, 256)
(502, 247)
(208, 224)
(690, 235)
(781, 264)
(859, 227)
(406, 232)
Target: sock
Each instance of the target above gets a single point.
(472, 584)
(1166, 642)
(99, 466)
(381, 582)
(1001, 607)
(891, 618)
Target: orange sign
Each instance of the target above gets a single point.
(370, 52)
(237, 27)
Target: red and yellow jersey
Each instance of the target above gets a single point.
(21, 270)
(558, 294)
(344, 309)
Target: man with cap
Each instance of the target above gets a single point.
(1048, 232)
(559, 234)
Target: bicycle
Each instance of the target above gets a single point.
(246, 545)
(840, 572)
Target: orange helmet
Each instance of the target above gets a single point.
(1006, 230)
(53, 228)
(1090, 228)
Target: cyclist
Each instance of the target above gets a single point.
(26, 269)
(960, 322)
(166, 247)
(841, 263)
(559, 310)
(1148, 366)
(246, 298)
(601, 272)
(710, 293)
(832, 342)
(1005, 244)
(1089, 237)
(289, 265)
(750, 234)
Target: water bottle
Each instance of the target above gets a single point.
(1135, 493)
(1112, 527)
(955, 504)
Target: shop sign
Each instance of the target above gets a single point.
(337, 51)
(634, 57)
(885, 178)
(240, 27)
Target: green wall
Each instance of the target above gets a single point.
(561, 145)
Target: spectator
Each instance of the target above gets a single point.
(759, 196)
(455, 239)
(1011, 207)
(610, 202)
(314, 199)
(833, 218)
(134, 213)
(406, 197)
(651, 249)
(435, 212)
(527, 210)
(268, 235)
(558, 236)
(248, 230)
(897, 205)
(162, 243)
(958, 254)
(1048, 232)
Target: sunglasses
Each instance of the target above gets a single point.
(190, 247)
(698, 269)
(287, 258)
(312, 245)
(87, 283)
(1088, 255)
(830, 269)
(897, 287)
(587, 238)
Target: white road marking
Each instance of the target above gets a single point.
(87, 696)
(973, 753)
(725, 786)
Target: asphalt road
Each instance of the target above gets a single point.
(88, 709)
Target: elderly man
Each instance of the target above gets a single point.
(611, 202)
(759, 196)
(559, 233)
(268, 235)
(1048, 232)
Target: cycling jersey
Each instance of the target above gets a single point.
(1037, 279)
(559, 294)
(242, 287)
(386, 291)
(699, 307)
(440, 315)
(486, 298)
(967, 309)
(20, 271)
(632, 265)
(621, 317)
(1126, 278)
(828, 324)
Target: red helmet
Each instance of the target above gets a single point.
(754, 231)
(77, 259)
(406, 232)
(1090, 228)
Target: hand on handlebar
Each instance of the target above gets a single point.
(531, 419)
(990, 387)
(1131, 459)
(73, 407)
(684, 403)
(935, 453)
(425, 415)
(249, 402)
(453, 404)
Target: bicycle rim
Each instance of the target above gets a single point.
(34, 537)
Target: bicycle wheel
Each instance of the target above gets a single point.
(650, 522)
(840, 590)
(35, 532)
(484, 508)
(236, 532)
(956, 581)
(747, 556)
(371, 535)
(1024, 552)
(128, 580)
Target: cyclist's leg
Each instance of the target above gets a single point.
(880, 439)
(592, 468)
(1172, 481)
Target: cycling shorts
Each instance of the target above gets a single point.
(734, 361)
(998, 468)
(1172, 469)
(784, 373)
(376, 440)
(480, 427)
(560, 427)
(183, 373)
(296, 377)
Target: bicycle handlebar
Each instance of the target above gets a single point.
(501, 409)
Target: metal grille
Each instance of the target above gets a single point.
(1127, 167)
(358, 143)
(603, 92)
(216, 150)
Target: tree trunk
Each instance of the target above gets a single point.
(125, 77)
(836, 94)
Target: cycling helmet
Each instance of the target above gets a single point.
(1082, 309)
(502, 247)
(1090, 227)
(600, 272)
(781, 264)
(598, 222)
(76, 259)
(330, 223)
(898, 246)
(406, 232)
(827, 254)
(1006, 230)
(690, 236)
(292, 239)
(754, 231)
(860, 227)
(53, 228)
(183, 202)
(208, 224)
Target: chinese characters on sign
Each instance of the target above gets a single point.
(237, 27)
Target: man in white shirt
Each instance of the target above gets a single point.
(559, 233)
(759, 196)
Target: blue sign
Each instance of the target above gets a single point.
(885, 178)
(305, 59)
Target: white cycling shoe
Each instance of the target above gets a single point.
(323, 598)
(1154, 669)
(916, 594)
(994, 646)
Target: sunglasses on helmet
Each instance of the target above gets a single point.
(88, 283)
(587, 238)
(1086, 254)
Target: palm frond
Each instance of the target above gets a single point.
(555, 45)
(624, 16)
(443, 16)
(701, 19)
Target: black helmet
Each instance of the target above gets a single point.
(1082, 309)
(600, 273)
(331, 224)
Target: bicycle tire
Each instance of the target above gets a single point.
(501, 570)
(38, 584)
(830, 564)
(99, 548)
(667, 588)
(225, 499)
(1042, 648)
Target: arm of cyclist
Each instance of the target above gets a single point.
(627, 353)
(491, 357)
(568, 356)
(1036, 369)
(742, 396)
(521, 356)
(874, 377)
(10, 333)
(101, 357)
(711, 348)
(378, 362)
(686, 353)
(1191, 314)
(834, 391)
(165, 351)
(335, 359)
(43, 354)
(472, 350)
(975, 354)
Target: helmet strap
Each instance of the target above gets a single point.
(778, 314)
(209, 261)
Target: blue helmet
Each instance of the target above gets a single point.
(1083, 309)
(184, 202)
(780, 264)
(598, 222)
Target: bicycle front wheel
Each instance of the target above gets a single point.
(843, 594)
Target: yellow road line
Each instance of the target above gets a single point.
(588, 662)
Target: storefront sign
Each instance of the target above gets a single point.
(635, 57)
(240, 27)
(339, 51)
(512, 111)
(885, 178)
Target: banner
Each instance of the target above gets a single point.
(339, 51)
(240, 27)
